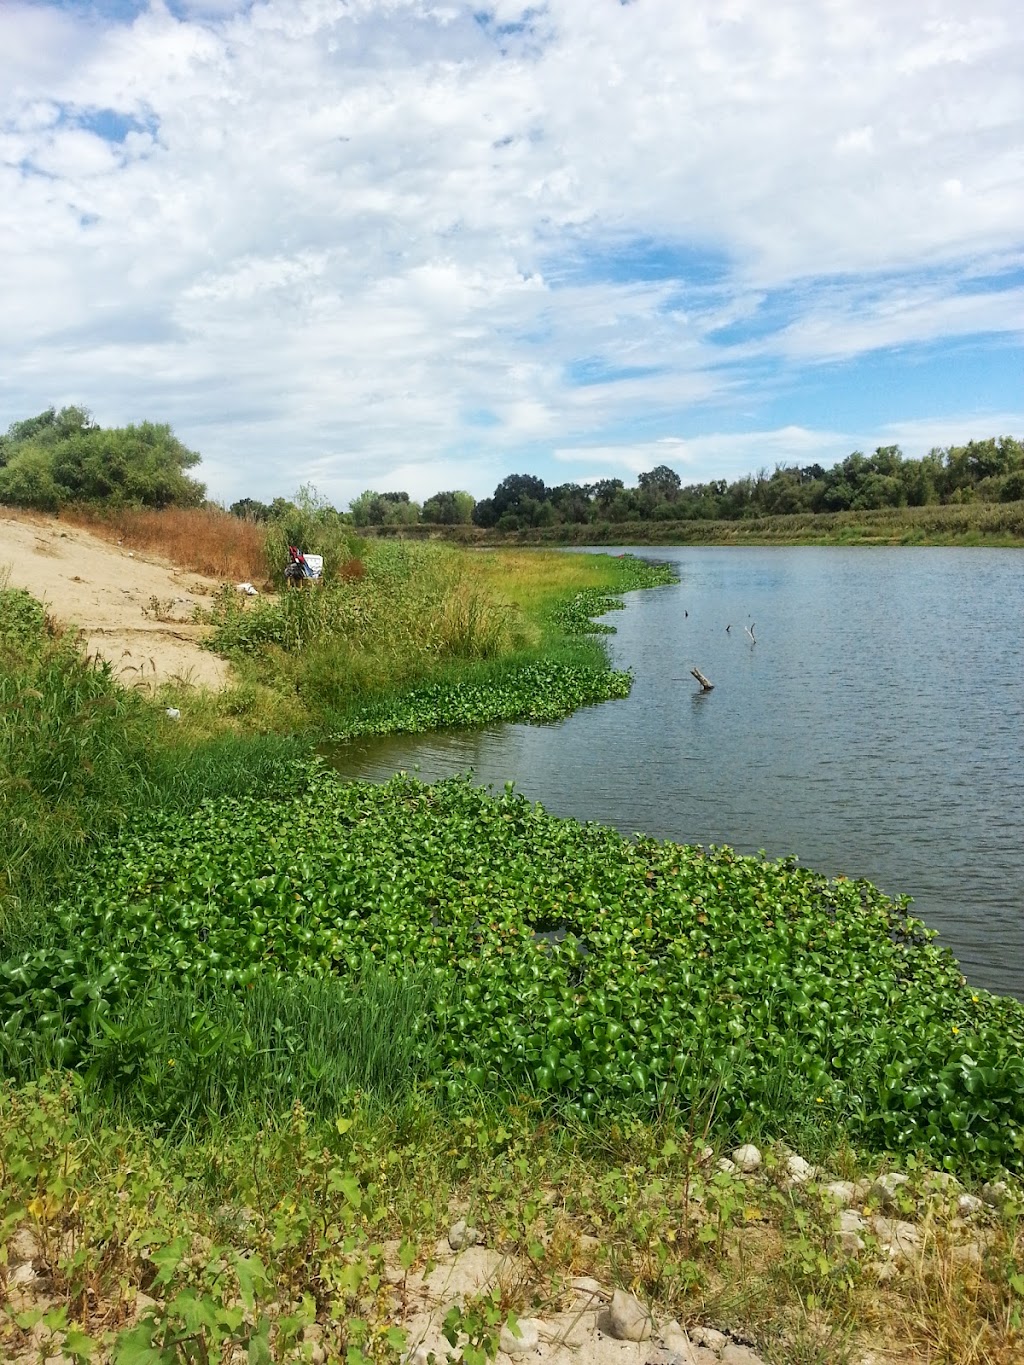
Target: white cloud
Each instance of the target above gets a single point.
(341, 233)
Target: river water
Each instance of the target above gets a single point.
(875, 728)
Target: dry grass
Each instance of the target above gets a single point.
(203, 539)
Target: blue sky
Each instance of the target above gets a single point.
(422, 244)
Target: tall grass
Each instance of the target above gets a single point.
(182, 1055)
(72, 748)
(415, 610)
(205, 540)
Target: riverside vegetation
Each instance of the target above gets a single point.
(966, 494)
(265, 1034)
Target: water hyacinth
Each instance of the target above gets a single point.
(597, 974)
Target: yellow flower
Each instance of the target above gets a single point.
(819, 1100)
(955, 1029)
(170, 1061)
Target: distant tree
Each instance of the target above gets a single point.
(660, 483)
(135, 464)
(516, 500)
(250, 509)
(485, 513)
(27, 481)
(384, 509)
(281, 508)
(514, 489)
(606, 491)
(452, 508)
(571, 502)
(367, 509)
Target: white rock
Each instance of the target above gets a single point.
(677, 1344)
(525, 1338)
(627, 1319)
(710, 1337)
(969, 1204)
(461, 1235)
(842, 1192)
(996, 1194)
(24, 1246)
(747, 1158)
(969, 1254)
(901, 1240)
(22, 1275)
(726, 1166)
(735, 1354)
(848, 1238)
(588, 1288)
(886, 1188)
(941, 1180)
(798, 1171)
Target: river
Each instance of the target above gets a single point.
(875, 728)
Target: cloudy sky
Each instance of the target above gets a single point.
(422, 244)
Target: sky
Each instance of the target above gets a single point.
(423, 244)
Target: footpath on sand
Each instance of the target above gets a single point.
(133, 609)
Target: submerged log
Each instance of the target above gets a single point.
(705, 686)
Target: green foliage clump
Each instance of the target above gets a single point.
(534, 690)
(64, 457)
(599, 975)
(72, 748)
(409, 609)
(576, 615)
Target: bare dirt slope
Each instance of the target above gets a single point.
(107, 593)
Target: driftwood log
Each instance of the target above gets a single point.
(705, 686)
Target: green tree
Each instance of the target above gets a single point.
(384, 509)
(250, 509)
(451, 508)
(660, 484)
(27, 481)
(65, 457)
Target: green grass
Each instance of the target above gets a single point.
(181, 1056)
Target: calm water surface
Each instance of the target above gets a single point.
(876, 728)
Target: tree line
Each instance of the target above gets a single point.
(981, 471)
(64, 457)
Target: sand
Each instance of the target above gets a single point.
(107, 593)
